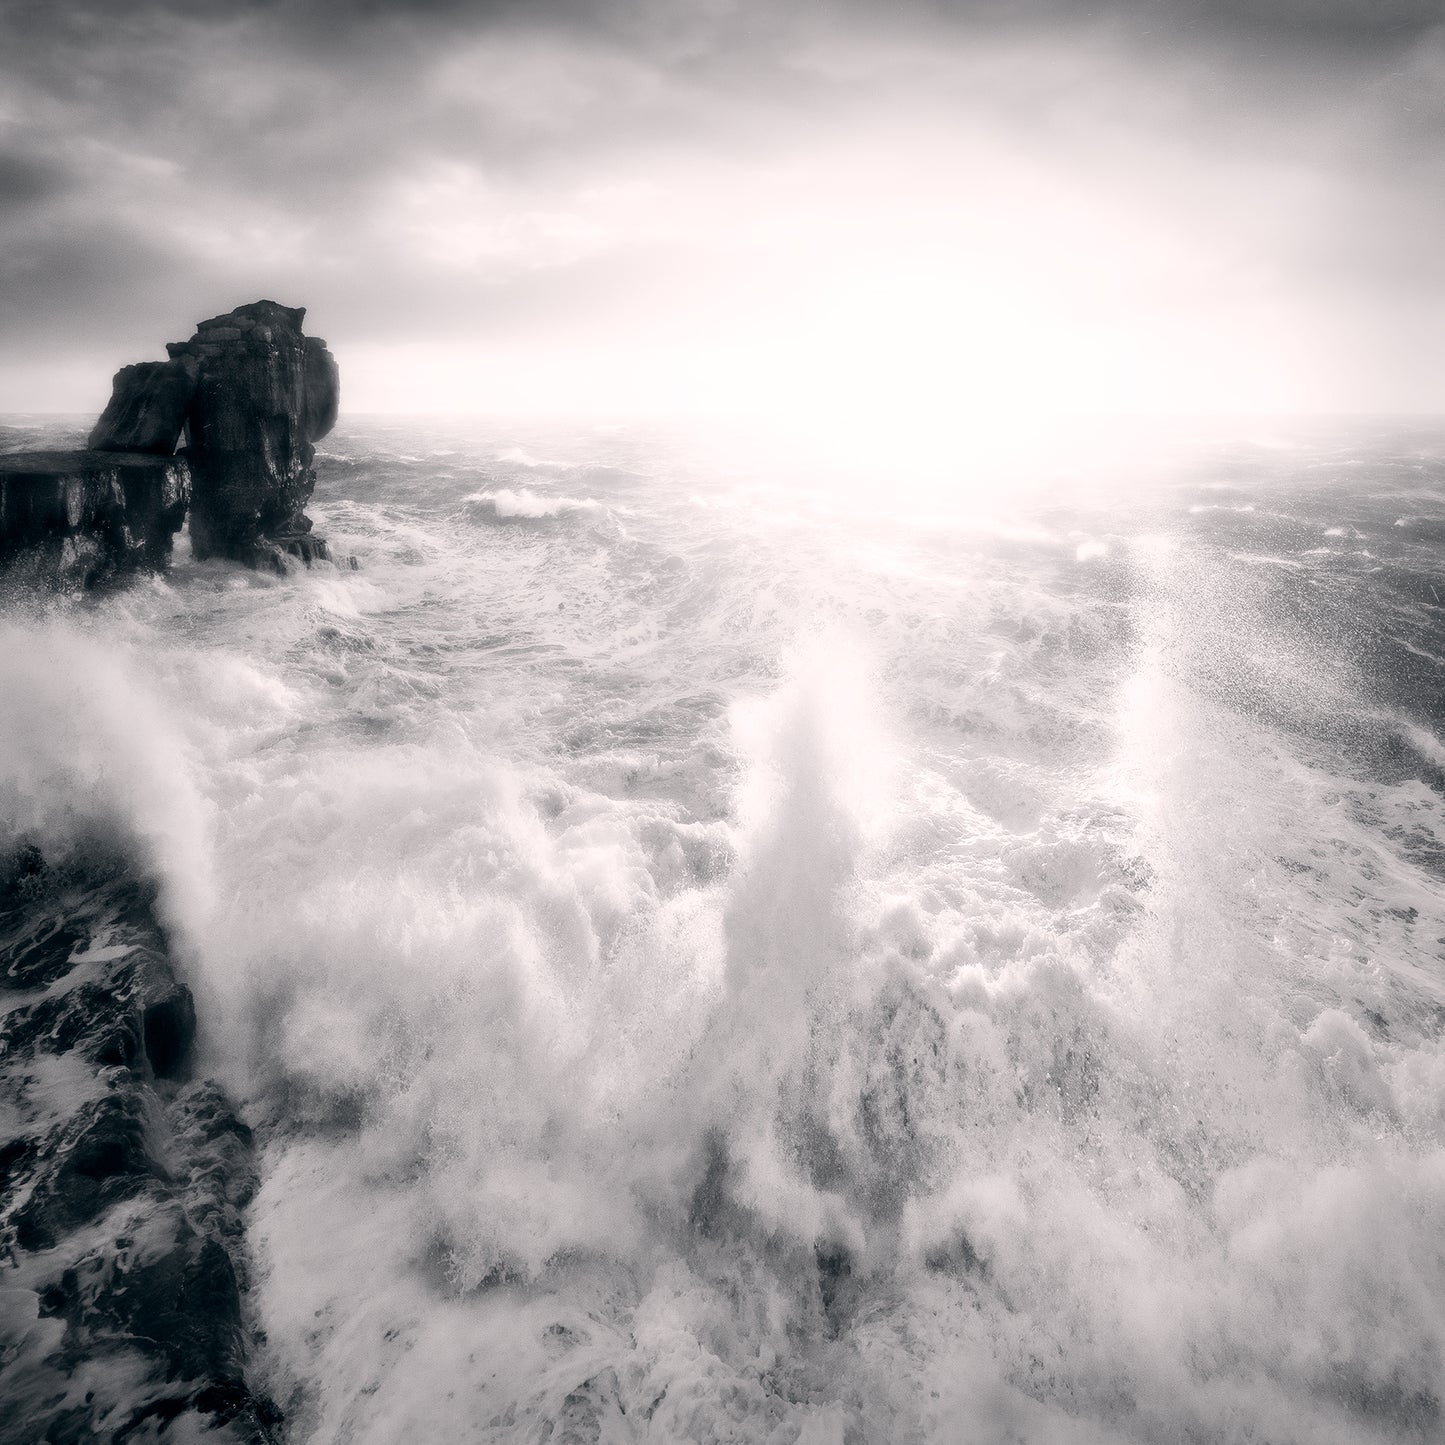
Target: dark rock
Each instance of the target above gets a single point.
(252, 395)
(168, 1284)
(323, 389)
(265, 394)
(17, 1158)
(147, 408)
(168, 1028)
(77, 518)
(100, 1158)
(137, 1015)
(122, 1190)
(269, 554)
(216, 1154)
(74, 1019)
(34, 960)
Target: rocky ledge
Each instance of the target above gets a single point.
(81, 517)
(122, 1179)
(249, 394)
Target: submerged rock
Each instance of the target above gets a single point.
(123, 1181)
(265, 394)
(148, 405)
(78, 518)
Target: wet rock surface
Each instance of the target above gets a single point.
(249, 394)
(265, 394)
(123, 1179)
(323, 389)
(74, 519)
(147, 409)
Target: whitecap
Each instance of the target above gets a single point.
(504, 502)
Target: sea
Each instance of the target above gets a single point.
(715, 951)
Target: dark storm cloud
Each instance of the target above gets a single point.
(88, 265)
(1383, 20)
(1382, 23)
(174, 114)
(26, 179)
(1385, 24)
(161, 161)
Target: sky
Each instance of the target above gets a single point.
(933, 213)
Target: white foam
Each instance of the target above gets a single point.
(89, 750)
(604, 930)
(504, 502)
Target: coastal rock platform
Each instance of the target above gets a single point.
(80, 517)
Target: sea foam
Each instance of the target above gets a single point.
(690, 985)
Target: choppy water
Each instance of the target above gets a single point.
(714, 958)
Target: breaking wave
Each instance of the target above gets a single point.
(505, 503)
(862, 982)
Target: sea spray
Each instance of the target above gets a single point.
(92, 760)
(528, 505)
(1016, 1018)
(815, 788)
(124, 1169)
(928, 1101)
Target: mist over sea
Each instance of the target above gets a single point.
(727, 955)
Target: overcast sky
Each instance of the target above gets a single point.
(711, 204)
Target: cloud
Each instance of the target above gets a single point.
(413, 172)
(27, 179)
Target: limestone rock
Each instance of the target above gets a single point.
(323, 389)
(77, 518)
(147, 407)
(123, 1182)
(251, 393)
(264, 394)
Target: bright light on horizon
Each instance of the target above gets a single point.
(923, 299)
(888, 248)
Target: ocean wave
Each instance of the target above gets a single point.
(706, 988)
(92, 758)
(526, 505)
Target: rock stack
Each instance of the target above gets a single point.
(264, 394)
(249, 394)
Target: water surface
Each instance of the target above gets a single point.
(724, 955)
